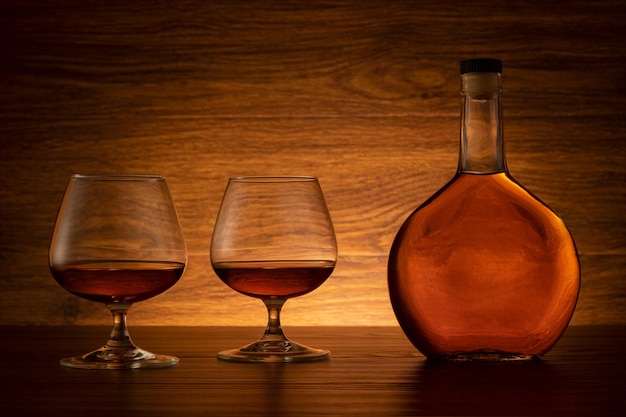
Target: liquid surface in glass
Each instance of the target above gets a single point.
(274, 279)
(118, 281)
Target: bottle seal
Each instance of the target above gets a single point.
(481, 65)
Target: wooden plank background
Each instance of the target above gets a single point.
(363, 94)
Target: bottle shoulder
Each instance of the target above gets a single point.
(474, 206)
(481, 194)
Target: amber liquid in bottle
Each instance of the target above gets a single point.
(483, 270)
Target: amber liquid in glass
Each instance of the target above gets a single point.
(483, 269)
(118, 281)
(274, 279)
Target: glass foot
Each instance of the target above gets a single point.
(274, 351)
(116, 358)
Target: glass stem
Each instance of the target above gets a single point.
(274, 330)
(119, 339)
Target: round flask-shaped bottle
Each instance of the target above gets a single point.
(483, 270)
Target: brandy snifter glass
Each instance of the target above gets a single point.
(273, 240)
(117, 241)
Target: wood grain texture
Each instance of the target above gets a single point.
(362, 94)
(373, 371)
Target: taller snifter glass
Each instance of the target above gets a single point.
(273, 240)
(483, 270)
(117, 241)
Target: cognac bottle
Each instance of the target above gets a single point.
(483, 270)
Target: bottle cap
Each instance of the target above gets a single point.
(481, 65)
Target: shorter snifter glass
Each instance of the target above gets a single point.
(273, 240)
(117, 241)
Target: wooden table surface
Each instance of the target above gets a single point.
(373, 371)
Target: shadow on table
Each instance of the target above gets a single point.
(491, 388)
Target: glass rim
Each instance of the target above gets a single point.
(118, 177)
(273, 178)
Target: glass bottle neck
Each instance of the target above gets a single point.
(482, 141)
